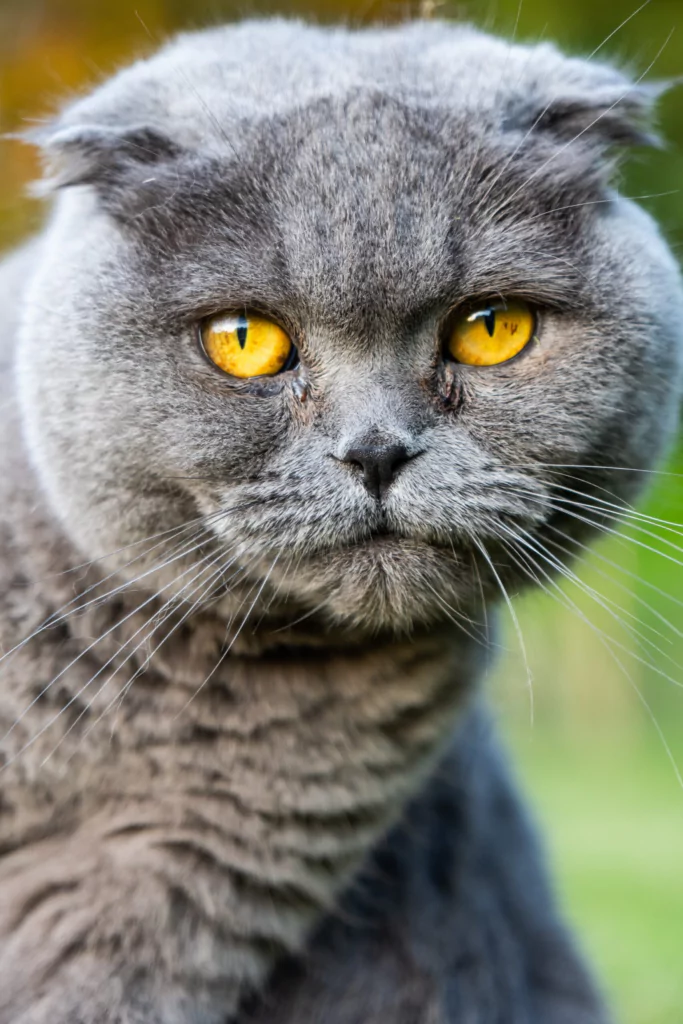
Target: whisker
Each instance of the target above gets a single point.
(600, 599)
(615, 582)
(629, 513)
(538, 170)
(559, 259)
(84, 687)
(208, 585)
(618, 29)
(125, 547)
(196, 93)
(205, 586)
(515, 622)
(94, 643)
(561, 505)
(475, 565)
(601, 467)
(229, 646)
(606, 643)
(587, 590)
(458, 618)
(599, 202)
(619, 608)
(66, 611)
(153, 625)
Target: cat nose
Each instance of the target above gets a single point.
(379, 463)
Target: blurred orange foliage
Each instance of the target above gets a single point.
(49, 53)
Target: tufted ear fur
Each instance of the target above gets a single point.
(624, 119)
(105, 157)
(604, 110)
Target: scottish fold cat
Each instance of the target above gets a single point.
(322, 332)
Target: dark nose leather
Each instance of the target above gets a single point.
(379, 463)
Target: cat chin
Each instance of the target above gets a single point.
(388, 583)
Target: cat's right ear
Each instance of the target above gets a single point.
(107, 158)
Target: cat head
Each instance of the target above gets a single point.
(362, 306)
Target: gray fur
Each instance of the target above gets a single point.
(295, 812)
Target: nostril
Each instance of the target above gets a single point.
(379, 463)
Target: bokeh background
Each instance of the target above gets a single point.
(603, 752)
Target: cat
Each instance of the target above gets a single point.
(323, 329)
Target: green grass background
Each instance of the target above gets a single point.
(605, 789)
(613, 817)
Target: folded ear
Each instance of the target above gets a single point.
(104, 157)
(619, 116)
(592, 102)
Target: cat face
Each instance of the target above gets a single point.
(362, 200)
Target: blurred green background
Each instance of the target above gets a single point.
(600, 755)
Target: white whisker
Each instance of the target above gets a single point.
(205, 586)
(515, 622)
(607, 643)
(102, 668)
(229, 646)
(599, 599)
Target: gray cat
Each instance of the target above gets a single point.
(322, 327)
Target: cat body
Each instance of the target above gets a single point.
(247, 771)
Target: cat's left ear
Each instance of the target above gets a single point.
(104, 157)
(613, 117)
(597, 105)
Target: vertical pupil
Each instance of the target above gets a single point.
(490, 321)
(242, 327)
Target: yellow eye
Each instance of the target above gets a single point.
(246, 346)
(492, 333)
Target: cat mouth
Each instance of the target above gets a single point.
(386, 538)
(379, 540)
(382, 534)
